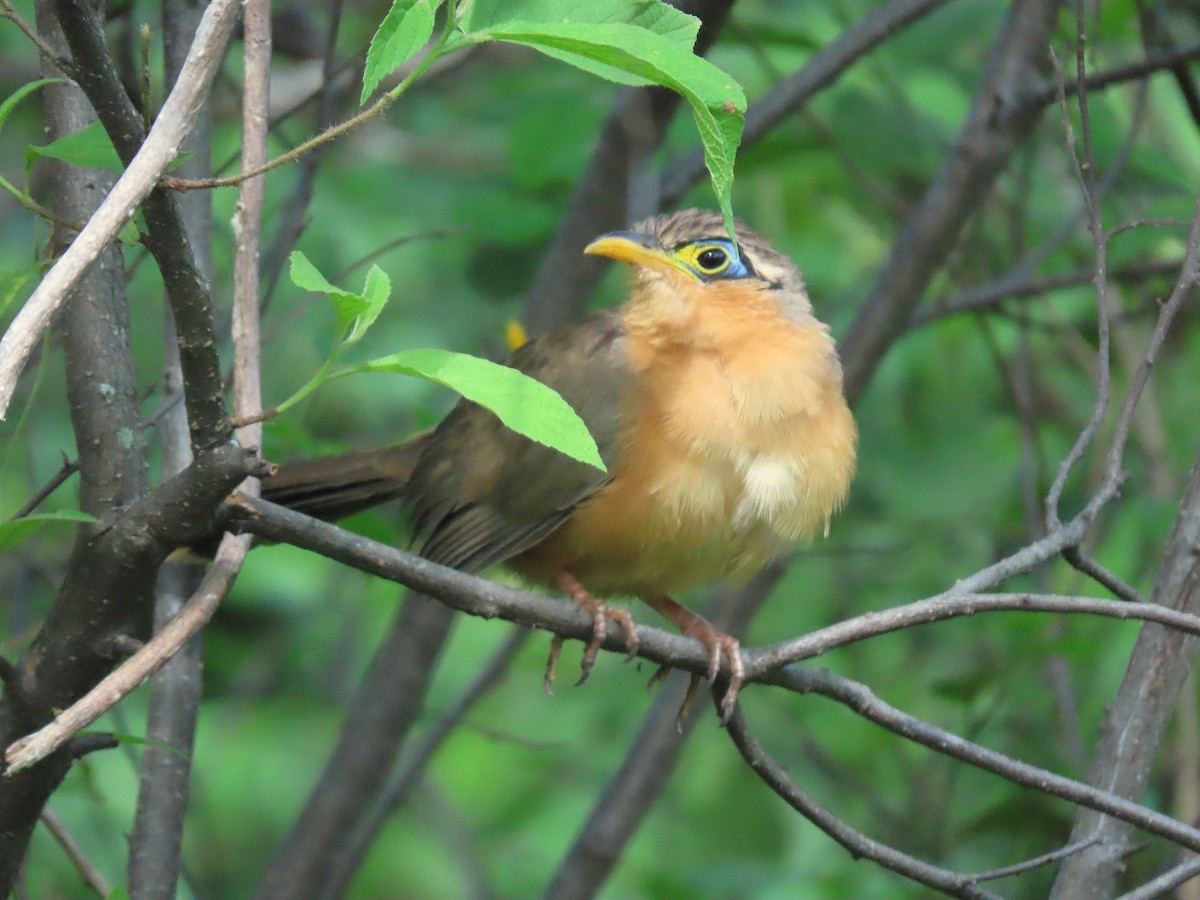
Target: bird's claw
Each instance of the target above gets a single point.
(556, 643)
(718, 644)
(601, 613)
(599, 635)
(737, 676)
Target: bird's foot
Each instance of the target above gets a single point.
(601, 613)
(717, 643)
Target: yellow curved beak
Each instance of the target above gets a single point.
(638, 250)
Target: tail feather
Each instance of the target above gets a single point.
(333, 487)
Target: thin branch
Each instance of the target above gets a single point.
(1035, 863)
(1102, 576)
(950, 605)
(1171, 878)
(1085, 174)
(997, 123)
(68, 468)
(1019, 285)
(863, 701)
(293, 216)
(479, 597)
(417, 68)
(1132, 71)
(85, 867)
(57, 60)
(858, 844)
(155, 857)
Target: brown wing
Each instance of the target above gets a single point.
(482, 493)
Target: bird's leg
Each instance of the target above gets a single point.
(601, 613)
(716, 642)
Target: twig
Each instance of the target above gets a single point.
(1131, 71)
(1101, 575)
(858, 844)
(328, 135)
(1020, 285)
(172, 126)
(60, 62)
(87, 870)
(1171, 878)
(1035, 863)
(293, 216)
(68, 468)
(83, 744)
(1085, 174)
(996, 125)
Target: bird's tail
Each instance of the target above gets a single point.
(330, 487)
(336, 486)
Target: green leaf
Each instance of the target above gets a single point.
(404, 30)
(11, 283)
(11, 101)
(523, 404)
(305, 276)
(652, 15)
(18, 530)
(88, 149)
(633, 55)
(355, 312)
(376, 291)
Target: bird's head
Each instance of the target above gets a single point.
(689, 254)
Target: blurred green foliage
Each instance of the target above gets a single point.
(475, 165)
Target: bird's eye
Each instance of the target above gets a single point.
(712, 260)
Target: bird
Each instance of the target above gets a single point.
(714, 395)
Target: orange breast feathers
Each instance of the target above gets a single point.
(739, 443)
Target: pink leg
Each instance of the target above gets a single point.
(601, 613)
(716, 642)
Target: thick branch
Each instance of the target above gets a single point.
(166, 238)
(1133, 727)
(164, 780)
(105, 593)
(997, 124)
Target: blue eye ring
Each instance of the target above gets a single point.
(714, 258)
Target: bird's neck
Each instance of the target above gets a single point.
(739, 327)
